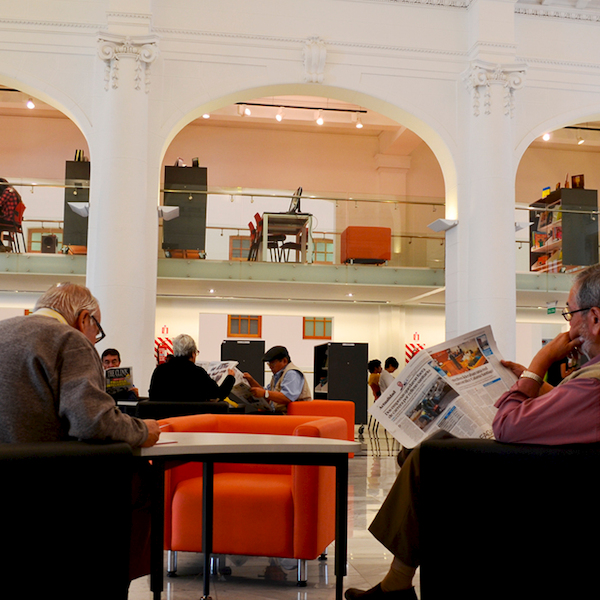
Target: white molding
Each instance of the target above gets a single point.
(557, 13)
(314, 55)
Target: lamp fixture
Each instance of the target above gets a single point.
(206, 116)
(320, 120)
(243, 110)
(359, 124)
(279, 115)
(580, 139)
(442, 225)
(30, 104)
(546, 137)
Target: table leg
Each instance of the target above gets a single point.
(341, 525)
(207, 522)
(157, 531)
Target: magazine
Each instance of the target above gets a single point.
(119, 379)
(241, 392)
(452, 386)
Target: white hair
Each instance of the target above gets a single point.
(68, 299)
(184, 345)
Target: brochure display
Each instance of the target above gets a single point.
(452, 386)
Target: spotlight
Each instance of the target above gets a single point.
(580, 140)
(243, 110)
(359, 124)
(206, 116)
(30, 104)
(279, 115)
(546, 137)
(320, 120)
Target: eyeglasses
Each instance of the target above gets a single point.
(100, 335)
(568, 314)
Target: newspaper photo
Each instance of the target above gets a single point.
(452, 386)
(119, 379)
(241, 392)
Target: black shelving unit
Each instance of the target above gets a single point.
(188, 230)
(248, 354)
(340, 374)
(77, 181)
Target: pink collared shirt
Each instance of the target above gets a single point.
(568, 414)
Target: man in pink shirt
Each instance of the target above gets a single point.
(532, 411)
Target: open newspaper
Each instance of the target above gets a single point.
(241, 391)
(452, 386)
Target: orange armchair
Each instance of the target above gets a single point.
(259, 510)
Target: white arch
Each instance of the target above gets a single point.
(426, 127)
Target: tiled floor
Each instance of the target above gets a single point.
(372, 473)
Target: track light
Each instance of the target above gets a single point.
(320, 120)
(546, 137)
(206, 116)
(580, 140)
(30, 104)
(243, 110)
(359, 124)
(279, 115)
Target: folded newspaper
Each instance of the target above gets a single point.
(452, 386)
(240, 393)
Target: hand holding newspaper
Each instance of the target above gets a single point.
(452, 386)
(240, 392)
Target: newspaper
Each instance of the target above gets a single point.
(119, 379)
(452, 386)
(241, 392)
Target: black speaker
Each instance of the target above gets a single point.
(49, 244)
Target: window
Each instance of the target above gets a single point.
(35, 236)
(324, 252)
(317, 328)
(244, 326)
(239, 247)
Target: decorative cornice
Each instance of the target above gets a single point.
(557, 13)
(314, 55)
(482, 75)
(113, 48)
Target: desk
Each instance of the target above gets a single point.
(296, 224)
(209, 448)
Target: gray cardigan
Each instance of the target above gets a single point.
(52, 387)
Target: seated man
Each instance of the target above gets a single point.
(532, 412)
(181, 380)
(111, 359)
(386, 377)
(288, 383)
(52, 386)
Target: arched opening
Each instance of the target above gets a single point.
(366, 158)
(41, 137)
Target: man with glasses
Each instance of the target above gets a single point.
(51, 378)
(532, 411)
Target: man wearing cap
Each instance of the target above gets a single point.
(288, 383)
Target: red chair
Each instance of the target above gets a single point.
(13, 229)
(280, 511)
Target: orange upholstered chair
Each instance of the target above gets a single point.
(259, 510)
(327, 408)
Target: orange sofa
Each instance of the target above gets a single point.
(259, 510)
(366, 245)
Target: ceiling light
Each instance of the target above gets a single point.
(546, 137)
(206, 116)
(243, 110)
(359, 124)
(30, 103)
(320, 120)
(580, 140)
(279, 115)
(247, 111)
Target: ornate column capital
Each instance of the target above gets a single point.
(314, 54)
(113, 48)
(481, 75)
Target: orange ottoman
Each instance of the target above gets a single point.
(366, 245)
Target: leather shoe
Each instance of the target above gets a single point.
(376, 593)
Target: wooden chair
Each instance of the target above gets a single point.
(273, 241)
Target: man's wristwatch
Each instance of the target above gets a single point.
(266, 394)
(532, 375)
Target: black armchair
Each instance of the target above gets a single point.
(66, 512)
(502, 521)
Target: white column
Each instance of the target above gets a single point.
(123, 220)
(481, 286)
